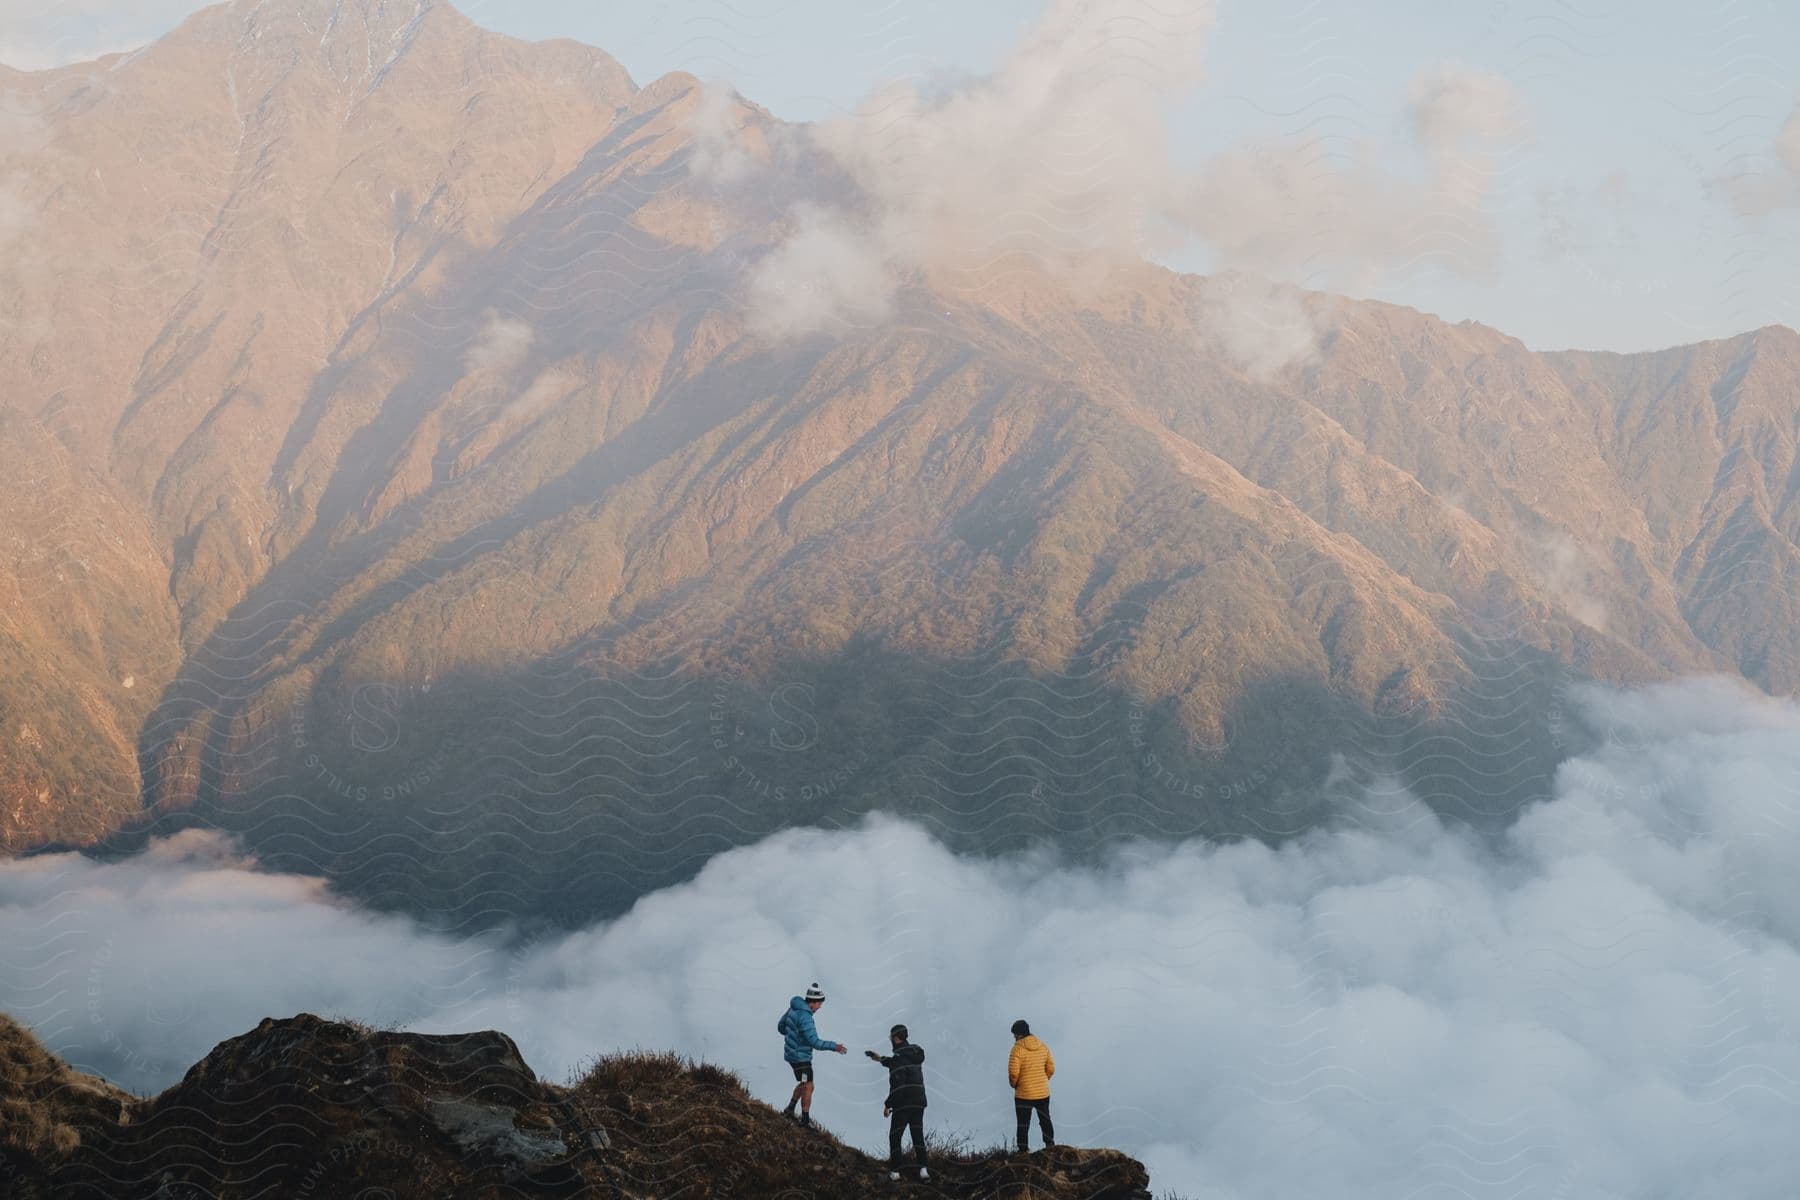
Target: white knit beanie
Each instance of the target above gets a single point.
(815, 992)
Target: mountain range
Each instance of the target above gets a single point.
(406, 468)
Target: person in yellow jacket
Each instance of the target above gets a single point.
(1028, 1070)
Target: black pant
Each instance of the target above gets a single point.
(1022, 1109)
(906, 1118)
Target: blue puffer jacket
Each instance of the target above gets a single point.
(796, 1025)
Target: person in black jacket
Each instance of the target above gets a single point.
(905, 1099)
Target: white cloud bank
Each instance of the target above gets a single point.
(1606, 1007)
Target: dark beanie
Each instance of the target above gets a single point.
(1020, 1029)
(898, 1031)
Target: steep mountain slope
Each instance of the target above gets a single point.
(1703, 440)
(472, 543)
(307, 1107)
(87, 638)
(206, 223)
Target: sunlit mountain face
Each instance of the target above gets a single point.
(498, 486)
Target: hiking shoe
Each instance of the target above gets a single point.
(893, 1177)
(924, 1174)
(806, 1120)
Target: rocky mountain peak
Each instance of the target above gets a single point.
(356, 42)
(315, 24)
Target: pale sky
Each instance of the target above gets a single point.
(1645, 202)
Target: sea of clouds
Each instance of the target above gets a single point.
(1603, 1003)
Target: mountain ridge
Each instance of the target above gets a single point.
(438, 420)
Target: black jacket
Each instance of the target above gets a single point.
(906, 1076)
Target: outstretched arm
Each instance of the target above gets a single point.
(811, 1032)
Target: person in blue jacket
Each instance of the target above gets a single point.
(800, 1039)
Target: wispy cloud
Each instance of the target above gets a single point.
(39, 34)
(500, 345)
(1774, 185)
(719, 153)
(549, 387)
(17, 213)
(1288, 210)
(827, 276)
(1057, 157)
(25, 146)
(1566, 569)
(1059, 162)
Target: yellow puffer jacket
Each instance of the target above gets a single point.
(1030, 1068)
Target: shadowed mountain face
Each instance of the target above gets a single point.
(407, 487)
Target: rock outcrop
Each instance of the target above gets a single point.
(305, 1107)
